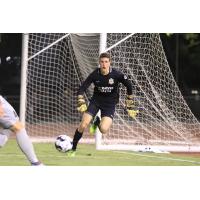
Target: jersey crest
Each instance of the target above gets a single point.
(111, 81)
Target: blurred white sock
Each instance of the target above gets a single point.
(26, 145)
(4, 135)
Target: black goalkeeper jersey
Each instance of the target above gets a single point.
(106, 90)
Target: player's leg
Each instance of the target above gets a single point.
(10, 120)
(107, 113)
(3, 140)
(25, 143)
(105, 124)
(86, 119)
(4, 135)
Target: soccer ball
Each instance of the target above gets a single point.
(63, 143)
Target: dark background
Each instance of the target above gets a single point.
(10, 67)
(182, 51)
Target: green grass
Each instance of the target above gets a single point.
(86, 155)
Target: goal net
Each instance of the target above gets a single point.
(58, 63)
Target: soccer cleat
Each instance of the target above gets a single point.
(71, 153)
(94, 125)
(37, 164)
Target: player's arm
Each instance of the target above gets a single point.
(132, 112)
(82, 107)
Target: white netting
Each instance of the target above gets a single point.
(164, 115)
(51, 82)
(55, 74)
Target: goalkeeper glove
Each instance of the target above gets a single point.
(82, 107)
(132, 113)
(130, 106)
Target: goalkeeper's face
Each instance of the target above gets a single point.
(104, 65)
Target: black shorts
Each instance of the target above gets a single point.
(106, 110)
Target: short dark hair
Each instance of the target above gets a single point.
(105, 55)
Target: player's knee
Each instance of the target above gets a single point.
(83, 126)
(104, 129)
(17, 127)
(3, 140)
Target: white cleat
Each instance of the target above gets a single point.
(37, 164)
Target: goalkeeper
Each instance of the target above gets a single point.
(105, 97)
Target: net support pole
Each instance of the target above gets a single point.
(102, 48)
(24, 66)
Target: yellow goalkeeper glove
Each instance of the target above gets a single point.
(132, 113)
(130, 106)
(82, 107)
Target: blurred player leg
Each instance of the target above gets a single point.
(105, 124)
(95, 124)
(26, 146)
(86, 119)
(4, 135)
(10, 120)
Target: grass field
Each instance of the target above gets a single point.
(86, 155)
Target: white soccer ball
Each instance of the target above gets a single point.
(63, 143)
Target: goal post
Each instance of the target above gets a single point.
(57, 64)
(102, 48)
(23, 77)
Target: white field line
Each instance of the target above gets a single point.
(120, 152)
(159, 157)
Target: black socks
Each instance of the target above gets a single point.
(77, 137)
